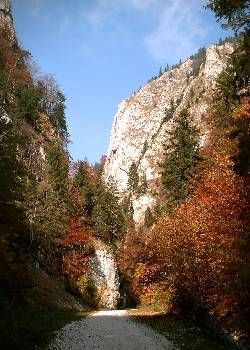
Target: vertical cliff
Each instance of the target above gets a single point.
(6, 17)
(142, 120)
(104, 273)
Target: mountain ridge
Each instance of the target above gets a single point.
(143, 119)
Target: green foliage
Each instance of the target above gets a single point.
(26, 104)
(127, 207)
(58, 170)
(149, 218)
(232, 86)
(242, 157)
(234, 13)
(185, 333)
(198, 59)
(108, 219)
(11, 174)
(84, 287)
(181, 153)
(143, 185)
(48, 207)
(30, 328)
(133, 178)
(145, 147)
(169, 112)
(52, 103)
(233, 81)
(58, 116)
(228, 39)
(82, 183)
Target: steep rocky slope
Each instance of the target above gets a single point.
(140, 125)
(6, 17)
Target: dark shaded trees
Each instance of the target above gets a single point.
(235, 13)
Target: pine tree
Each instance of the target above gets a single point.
(82, 183)
(149, 218)
(133, 178)
(107, 216)
(234, 13)
(58, 169)
(127, 207)
(143, 185)
(181, 153)
(11, 175)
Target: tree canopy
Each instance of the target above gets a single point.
(234, 13)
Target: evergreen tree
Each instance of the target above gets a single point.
(11, 176)
(181, 153)
(49, 207)
(127, 207)
(107, 216)
(82, 182)
(234, 13)
(133, 178)
(58, 117)
(149, 218)
(143, 185)
(58, 169)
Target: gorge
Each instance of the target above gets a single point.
(160, 224)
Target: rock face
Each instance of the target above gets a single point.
(6, 18)
(140, 125)
(104, 273)
(5, 6)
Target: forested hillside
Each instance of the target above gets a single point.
(190, 256)
(52, 210)
(61, 221)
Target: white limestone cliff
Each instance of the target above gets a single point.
(6, 18)
(139, 127)
(104, 273)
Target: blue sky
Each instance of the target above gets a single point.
(100, 51)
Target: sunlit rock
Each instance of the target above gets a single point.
(140, 125)
(104, 273)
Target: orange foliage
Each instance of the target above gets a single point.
(12, 62)
(76, 248)
(193, 250)
(130, 252)
(77, 234)
(75, 264)
(243, 111)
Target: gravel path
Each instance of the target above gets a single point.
(109, 330)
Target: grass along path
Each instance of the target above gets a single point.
(184, 334)
(33, 329)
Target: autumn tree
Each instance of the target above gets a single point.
(190, 253)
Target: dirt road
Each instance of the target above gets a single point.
(109, 330)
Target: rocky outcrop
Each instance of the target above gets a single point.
(141, 123)
(104, 274)
(6, 18)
